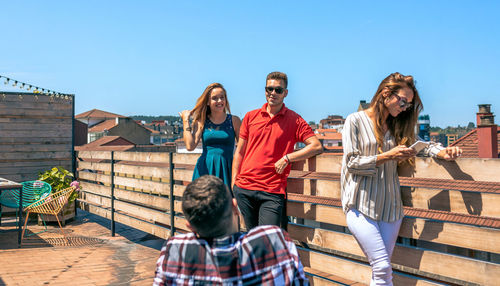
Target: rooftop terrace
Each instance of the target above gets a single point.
(450, 233)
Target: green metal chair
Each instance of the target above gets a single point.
(32, 192)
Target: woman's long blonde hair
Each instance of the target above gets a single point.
(201, 109)
(402, 127)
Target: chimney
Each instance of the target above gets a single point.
(486, 132)
(484, 109)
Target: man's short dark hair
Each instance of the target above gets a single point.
(206, 204)
(278, 76)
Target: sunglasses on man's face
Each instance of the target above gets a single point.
(278, 89)
(403, 102)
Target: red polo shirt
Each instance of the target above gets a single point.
(268, 140)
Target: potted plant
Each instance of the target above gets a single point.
(59, 179)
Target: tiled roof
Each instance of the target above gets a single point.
(335, 149)
(329, 136)
(96, 113)
(142, 126)
(107, 143)
(469, 144)
(112, 140)
(158, 122)
(105, 125)
(152, 130)
(329, 130)
(104, 148)
(110, 123)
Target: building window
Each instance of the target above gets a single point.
(95, 136)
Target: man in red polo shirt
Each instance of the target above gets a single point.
(262, 160)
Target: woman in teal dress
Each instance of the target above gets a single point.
(218, 130)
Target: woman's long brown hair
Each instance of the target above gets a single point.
(402, 127)
(201, 109)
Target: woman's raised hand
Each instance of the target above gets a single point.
(185, 114)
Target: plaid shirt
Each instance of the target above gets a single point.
(264, 256)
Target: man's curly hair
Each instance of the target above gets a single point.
(206, 204)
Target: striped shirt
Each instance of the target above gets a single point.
(264, 256)
(373, 190)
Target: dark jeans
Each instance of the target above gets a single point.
(259, 208)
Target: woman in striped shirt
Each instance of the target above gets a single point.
(374, 141)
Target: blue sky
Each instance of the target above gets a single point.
(156, 57)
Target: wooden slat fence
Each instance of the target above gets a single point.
(37, 133)
(450, 233)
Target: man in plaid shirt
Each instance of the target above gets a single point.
(216, 253)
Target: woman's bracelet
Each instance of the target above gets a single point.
(188, 128)
(286, 159)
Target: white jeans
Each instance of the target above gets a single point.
(377, 240)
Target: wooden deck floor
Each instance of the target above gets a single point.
(90, 257)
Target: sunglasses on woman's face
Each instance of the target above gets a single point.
(278, 89)
(403, 102)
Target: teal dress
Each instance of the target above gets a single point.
(218, 148)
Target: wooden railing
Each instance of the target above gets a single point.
(450, 234)
(37, 134)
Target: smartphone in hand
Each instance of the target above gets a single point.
(419, 145)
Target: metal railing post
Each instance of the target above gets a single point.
(171, 181)
(112, 193)
(73, 153)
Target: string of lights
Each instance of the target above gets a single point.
(35, 89)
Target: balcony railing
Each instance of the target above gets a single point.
(450, 233)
